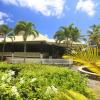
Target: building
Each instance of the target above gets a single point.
(39, 47)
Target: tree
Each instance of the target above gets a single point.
(27, 28)
(11, 35)
(59, 36)
(74, 33)
(62, 34)
(94, 34)
(4, 29)
(67, 34)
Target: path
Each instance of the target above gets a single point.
(94, 84)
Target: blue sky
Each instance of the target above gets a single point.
(49, 15)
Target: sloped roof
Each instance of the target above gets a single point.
(19, 38)
(39, 38)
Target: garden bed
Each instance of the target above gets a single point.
(43, 82)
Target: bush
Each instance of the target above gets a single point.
(36, 81)
(70, 95)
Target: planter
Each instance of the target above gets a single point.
(90, 74)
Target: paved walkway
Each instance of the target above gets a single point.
(94, 84)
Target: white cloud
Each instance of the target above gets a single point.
(13, 2)
(87, 6)
(9, 20)
(46, 7)
(2, 15)
(4, 18)
(1, 22)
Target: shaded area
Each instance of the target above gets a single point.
(36, 47)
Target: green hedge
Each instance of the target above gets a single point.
(39, 82)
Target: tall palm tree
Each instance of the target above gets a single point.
(67, 33)
(4, 29)
(75, 34)
(27, 28)
(62, 34)
(94, 33)
(59, 36)
(11, 35)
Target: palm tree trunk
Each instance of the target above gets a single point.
(25, 51)
(3, 49)
(67, 44)
(12, 51)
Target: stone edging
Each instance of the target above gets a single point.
(90, 74)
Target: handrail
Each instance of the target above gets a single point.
(42, 61)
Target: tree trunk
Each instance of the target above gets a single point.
(24, 51)
(67, 44)
(3, 49)
(12, 51)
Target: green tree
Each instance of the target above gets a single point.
(94, 34)
(11, 35)
(4, 29)
(67, 35)
(62, 34)
(27, 28)
(74, 33)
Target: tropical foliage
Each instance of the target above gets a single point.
(4, 29)
(67, 34)
(94, 33)
(26, 29)
(88, 56)
(70, 95)
(41, 82)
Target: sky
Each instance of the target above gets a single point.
(49, 15)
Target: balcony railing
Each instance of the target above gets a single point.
(42, 61)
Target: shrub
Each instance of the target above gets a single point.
(36, 81)
(70, 95)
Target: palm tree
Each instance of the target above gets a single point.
(62, 34)
(59, 36)
(92, 29)
(67, 33)
(11, 35)
(4, 29)
(27, 28)
(74, 33)
(94, 33)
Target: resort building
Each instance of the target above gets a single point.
(39, 47)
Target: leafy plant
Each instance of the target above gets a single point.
(36, 81)
(88, 56)
(70, 95)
